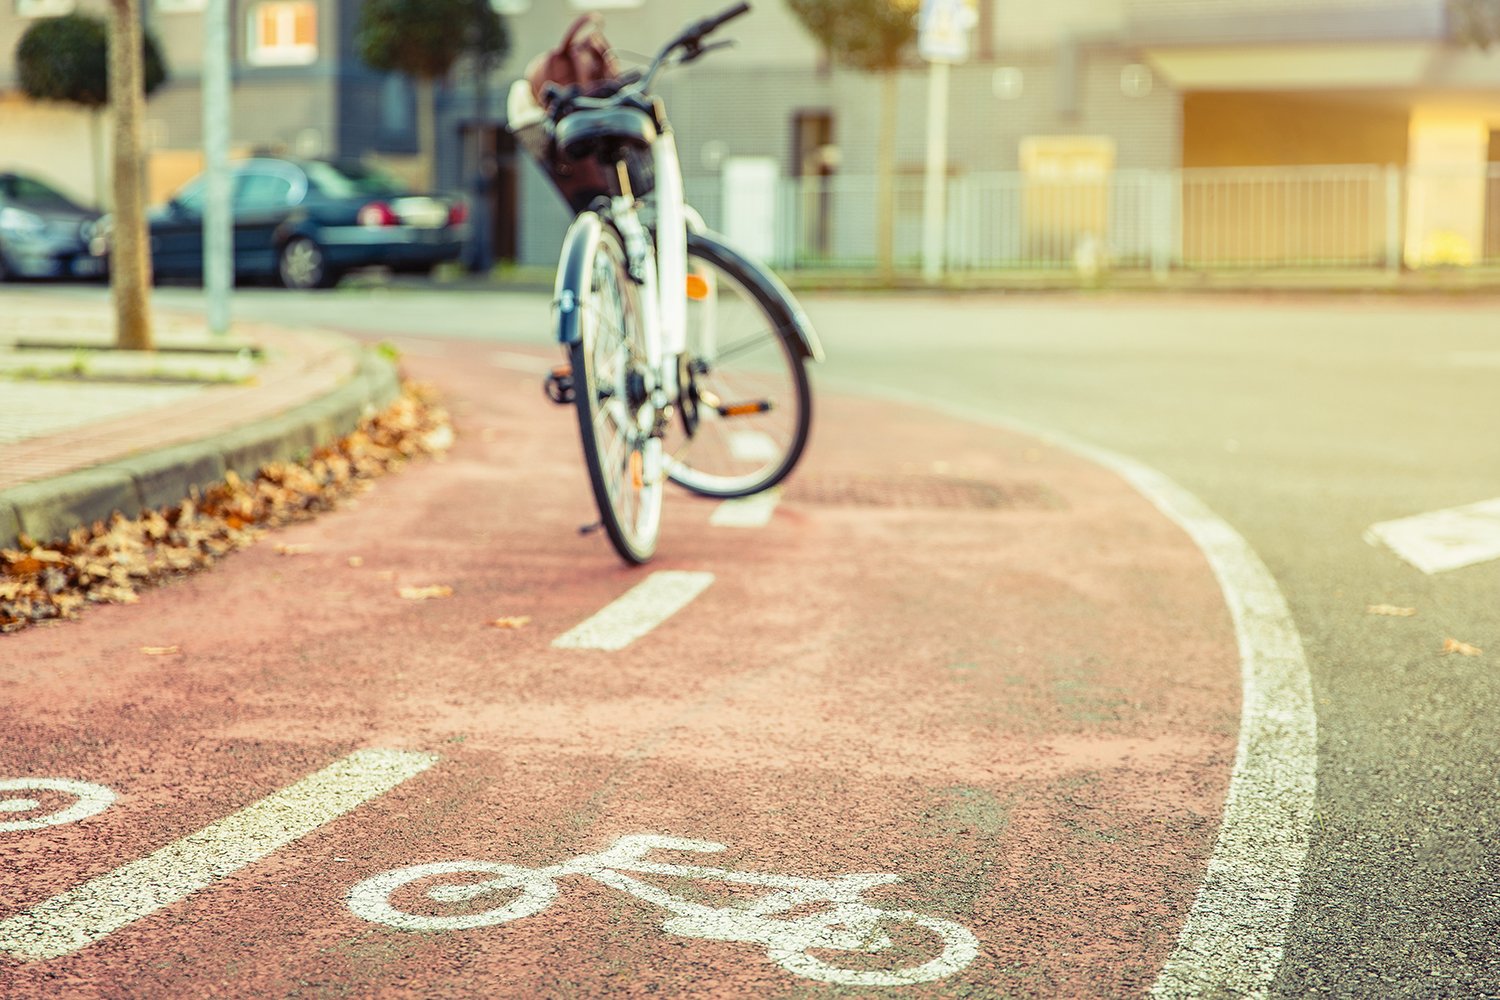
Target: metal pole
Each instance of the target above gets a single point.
(218, 221)
(934, 214)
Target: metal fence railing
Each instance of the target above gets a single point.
(1197, 219)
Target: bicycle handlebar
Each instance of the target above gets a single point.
(635, 82)
(711, 24)
(691, 38)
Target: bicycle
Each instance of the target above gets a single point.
(795, 918)
(685, 360)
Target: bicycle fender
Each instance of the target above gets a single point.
(572, 275)
(764, 282)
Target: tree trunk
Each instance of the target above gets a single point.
(426, 131)
(130, 256)
(885, 168)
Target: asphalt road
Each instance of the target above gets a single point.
(1299, 421)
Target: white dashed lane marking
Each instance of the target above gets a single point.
(79, 917)
(636, 612)
(746, 512)
(1443, 539)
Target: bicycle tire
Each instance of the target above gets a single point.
(958, 947)
(740, 354)
(610, 380)
(372, 899)
(89, 800)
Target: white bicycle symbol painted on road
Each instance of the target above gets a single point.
(830, 915)
(90, 800)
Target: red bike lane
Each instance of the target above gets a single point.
(954, 656)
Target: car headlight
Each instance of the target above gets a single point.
(14, 220)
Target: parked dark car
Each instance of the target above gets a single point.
(305, 223)
(44, 233)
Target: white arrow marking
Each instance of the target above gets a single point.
(1444, 539)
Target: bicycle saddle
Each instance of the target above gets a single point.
(604, 132)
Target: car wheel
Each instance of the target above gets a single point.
(303, 265)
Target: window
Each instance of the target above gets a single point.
(282, 33)
(257, 190)
(43, 8)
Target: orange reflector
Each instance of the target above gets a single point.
(636, 478)
(697, 287)
(745, 409)
(562, 371)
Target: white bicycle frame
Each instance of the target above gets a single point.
(662, 265)
(844, 923)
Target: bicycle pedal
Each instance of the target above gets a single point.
(559, 385)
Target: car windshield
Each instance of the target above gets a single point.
(350, 180)
(33, 194)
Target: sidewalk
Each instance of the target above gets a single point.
(86, 430)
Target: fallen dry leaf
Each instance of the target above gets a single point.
(438, 439)
(1461, 648)
(292, 550)
(110, 562)
(425, 593)
(161, 650)
(519, 621)
(356, 562)
(1391, 610)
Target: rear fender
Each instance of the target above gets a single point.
(786, 311)
(573, 277)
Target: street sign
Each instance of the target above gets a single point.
(943, 30)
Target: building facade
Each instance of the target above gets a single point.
(1102, 92)
(1131, 123)
(297, 87)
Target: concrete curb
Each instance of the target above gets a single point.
(51, 508)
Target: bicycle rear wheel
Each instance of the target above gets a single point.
(746, 406)
(611, 376)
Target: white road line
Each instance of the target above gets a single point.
(636, 612)
(79, 917)
(1443, 539)
(747, 512)
(752, 446)
(1234, 938)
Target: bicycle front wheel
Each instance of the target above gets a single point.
(612, 377)
(746, 406)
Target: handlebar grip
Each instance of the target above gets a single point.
(722, 18)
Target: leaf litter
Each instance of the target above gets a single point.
(111, 562)
(430, 593)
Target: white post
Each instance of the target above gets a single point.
(934, 212)
(1393, 220)
(218, 221)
